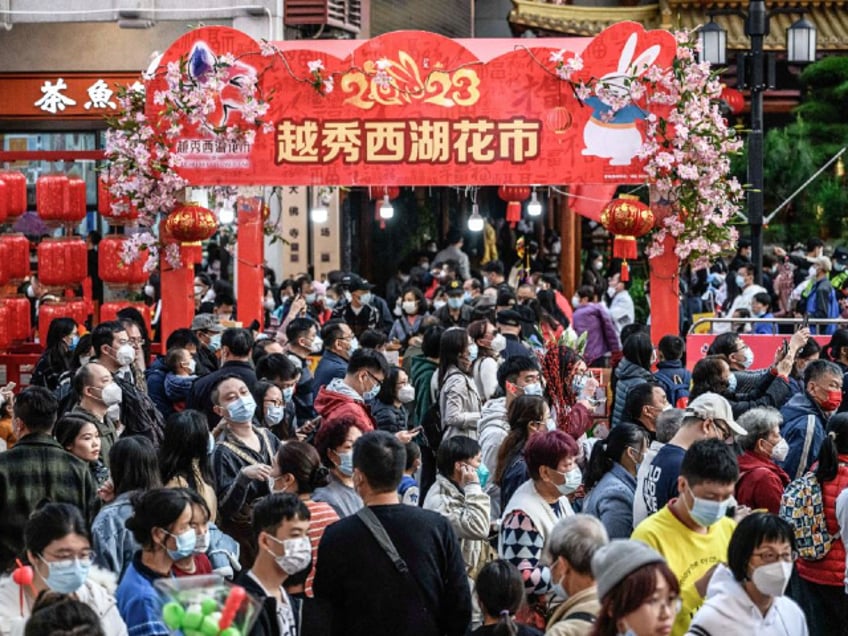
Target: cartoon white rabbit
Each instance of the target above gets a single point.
(618, 138)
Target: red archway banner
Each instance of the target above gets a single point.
(474, 112)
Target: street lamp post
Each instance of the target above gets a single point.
(751, 74)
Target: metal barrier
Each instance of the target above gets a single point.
(776, 321)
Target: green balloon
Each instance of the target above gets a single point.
(209, 626)
(192, 620)
(192, 632)
(208, 606)
(231, 631)
(173, 615)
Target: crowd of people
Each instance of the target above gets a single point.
(471, 452)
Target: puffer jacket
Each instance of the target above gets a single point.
(628, 375)
(467, 510)
(831, 569)
(337, 400)
(388, 417)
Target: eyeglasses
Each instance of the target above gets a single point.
(767, 556)
(672, 604)
(85, 556)
(137, 341)
(377, 380)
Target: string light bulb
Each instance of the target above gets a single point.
(386, 210)
(475, 221)
(226, 214)
(534, 208)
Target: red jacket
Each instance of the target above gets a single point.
(831, 569)
(761, 482)
(332, 405)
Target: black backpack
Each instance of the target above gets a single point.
(431, 425)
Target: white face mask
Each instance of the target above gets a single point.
(125, 355)
(780, 450)
(190, 365)
(498, 343)
(298, 554)
(438, 304)
(317, 345)
(201, 544)
(773, 578)
(111, 394)
(410, 307)
(406, 394)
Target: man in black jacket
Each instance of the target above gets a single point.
(236, 346)
(367, 591)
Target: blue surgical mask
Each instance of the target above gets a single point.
(748, 360)
(371, 394)
(74, 342)
(533, 389)
(482, 474)
(473, 352)
(330, 303)
(578, 383)
(365, 298)
(573, 479)
(705, 512)
(274, 415)
(67, 576)
(740, 281)
(185, 544)
(346, 463)
(241, 410)
(456, 302)
(288, 394)
(559, 590)
(731, 383)
(311, 298)
(215, 342)
(466, 297)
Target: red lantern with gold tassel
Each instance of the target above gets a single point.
(513, 195)
(16, 193)
(627, 218)
(62, 262)
(190, 224)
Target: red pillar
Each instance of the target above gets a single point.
(177, 291)
(249, 264)
(665, 287)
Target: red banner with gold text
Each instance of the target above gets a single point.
(442, 112)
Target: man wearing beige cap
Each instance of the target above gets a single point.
(709, 416)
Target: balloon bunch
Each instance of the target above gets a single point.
(208, 617)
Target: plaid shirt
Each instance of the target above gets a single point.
(35, 470)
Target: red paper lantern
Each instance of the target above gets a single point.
(191, 223)
(106, 208)
(513, 195)
(51, 196)
(62, 261)
(734, 99)
(75, 203)
(558, 119)
(627, 218)
(48, 312)
(4, 200)
(19, 317)
(16, 256)
(16, 193)
(5, 327)
(113, 270)
(109, 311)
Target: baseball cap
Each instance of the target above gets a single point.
(509, 317)
(454, 288)
(714, 406)
(355, 283)
(206, 322)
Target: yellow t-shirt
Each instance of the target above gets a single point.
(688, 553)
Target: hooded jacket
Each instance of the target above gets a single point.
(339, 400)
(796, 413)
(421, 372)
(761, 482)
(493, 429)
(628, 375)
(729, 610)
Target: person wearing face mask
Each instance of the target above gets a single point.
(339, 344)
(334, 443)
(644, 404)
(280, 523)
(508, 322)
(634, 368)
(135, 411)
(236, 346)
(748, 289)
(97, 391)
(820, 300)
(708, 416)
(58, 550)
(534, 509)
(456, 313)
(570, 547)
(241, 461)
(459, 402)
(161, 525)
(389, 408)
(180, 377)
(208, 331)
(527, 416)
(693, 531)
(202, 291)
(610, 479)
(761, 481)
(805, 415)
(746, 596)
(271, 411)
(155, 374)
(414, 310)
(593, 319)
(619, 300)
(592, 275)
(279, 370)
(359, 312)
(196, 563)
(350, 396)
(458, 496)
(62, 339)
(484, 369)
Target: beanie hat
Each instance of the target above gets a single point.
(612, 563)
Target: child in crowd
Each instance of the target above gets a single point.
(408, 489)
(180, 376)
(672, 374)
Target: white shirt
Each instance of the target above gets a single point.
(640, 508)
(622, 310)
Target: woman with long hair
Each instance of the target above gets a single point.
(62, 339)
(484, 369)
(58, 549)
(298, 470)
(184, 456)
(527, 415)
(822, 591)
(459, 401)
(413, 307)
(610, 478)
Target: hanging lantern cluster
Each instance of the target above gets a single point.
(113, 270)
(62, 262)
(14, 193)
(513, 195)
(14, 258)
(106, 207)
(60, 198)
(627, 218)
(109, 311)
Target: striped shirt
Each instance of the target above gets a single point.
(322, 515)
